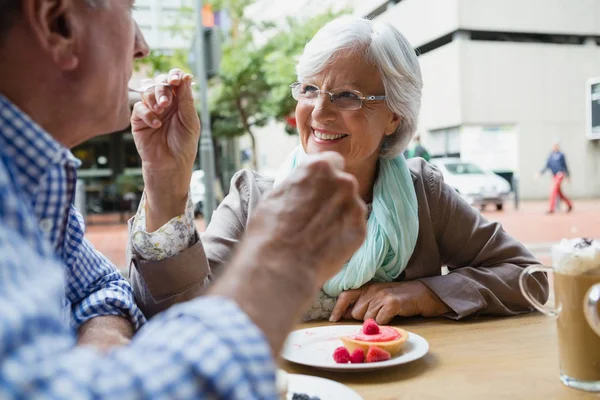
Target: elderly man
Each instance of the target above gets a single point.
(63, 79)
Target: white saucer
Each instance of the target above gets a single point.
(322, 388)
(314, 347)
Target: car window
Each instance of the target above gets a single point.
(463, 169)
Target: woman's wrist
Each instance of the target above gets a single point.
(166, 195)
(431, 304)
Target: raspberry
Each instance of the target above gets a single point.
(376, 354)
(370, 327)
(357, 356)
(341, 355)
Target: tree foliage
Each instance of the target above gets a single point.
(252, 85)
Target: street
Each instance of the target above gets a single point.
(529, 225)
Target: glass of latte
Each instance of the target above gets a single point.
(576, 270)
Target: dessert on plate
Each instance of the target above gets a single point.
(371, 344)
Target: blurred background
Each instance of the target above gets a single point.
(504, 82)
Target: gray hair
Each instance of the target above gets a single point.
(384, 46)
(10, 9)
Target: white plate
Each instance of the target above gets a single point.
(324, 389)
(314, 347)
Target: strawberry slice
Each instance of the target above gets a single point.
(376, 354)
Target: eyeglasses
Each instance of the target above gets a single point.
(344, 100)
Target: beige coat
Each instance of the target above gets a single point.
(483, 260)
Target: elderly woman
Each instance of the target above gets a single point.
(359, 93)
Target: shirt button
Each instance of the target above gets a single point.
(46, 225)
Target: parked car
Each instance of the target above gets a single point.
(477, 186)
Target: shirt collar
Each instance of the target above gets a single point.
(30, 149)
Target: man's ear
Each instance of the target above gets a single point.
(51, 24)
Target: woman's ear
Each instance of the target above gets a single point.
(393, 124)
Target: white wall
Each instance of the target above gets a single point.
(540, 88)
(155, 17)
(441, 100)
(362, 8)
(494, 148)
(541, 16)
(422, 21)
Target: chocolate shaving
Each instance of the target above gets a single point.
(583, 243)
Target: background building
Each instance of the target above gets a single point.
(111, 167)
(156, 17)
(503, 80)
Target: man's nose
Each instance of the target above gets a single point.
(141, 48)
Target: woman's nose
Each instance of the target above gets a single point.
(323, 110)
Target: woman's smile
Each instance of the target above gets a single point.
(327, 137)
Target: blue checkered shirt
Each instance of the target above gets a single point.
(52, 280)
(44, 173)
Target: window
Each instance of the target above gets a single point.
(463, 169)
(94, 154)
(444, 142)
(524, 37)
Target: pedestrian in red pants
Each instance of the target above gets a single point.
(557, 164)
(557, 192)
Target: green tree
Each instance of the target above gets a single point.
(237, 93)
(253, 83)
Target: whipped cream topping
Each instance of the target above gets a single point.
(577, 257)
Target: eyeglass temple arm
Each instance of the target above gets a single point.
(373, 98)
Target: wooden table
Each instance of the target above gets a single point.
(504, 358)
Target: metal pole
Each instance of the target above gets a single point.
(207, 157)
(515, 185)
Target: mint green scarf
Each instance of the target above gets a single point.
(392, 228)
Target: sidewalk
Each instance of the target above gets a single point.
(539, 231)
(529, 224)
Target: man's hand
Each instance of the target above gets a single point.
(105, 332)
(384, 301)
(300, 235)
(166, 130)
(315, 218)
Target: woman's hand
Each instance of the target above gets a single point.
(166, 130)
(165, 124)
(384, 301)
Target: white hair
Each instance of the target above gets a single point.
(384, 46)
